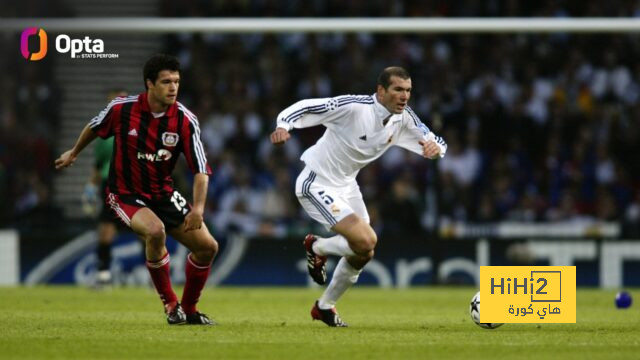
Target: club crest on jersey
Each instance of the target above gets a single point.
(170, 139)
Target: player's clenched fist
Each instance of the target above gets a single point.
(279, 136)
(430, 149)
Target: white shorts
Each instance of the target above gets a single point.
(327, 204)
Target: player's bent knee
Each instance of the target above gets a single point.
(365, 243)
(366, 257)
(208, 250)
(370, 240)
(155, 234)
(212, 247)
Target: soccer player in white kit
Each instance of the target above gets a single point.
(359, 130)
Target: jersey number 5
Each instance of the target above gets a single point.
(326, 198)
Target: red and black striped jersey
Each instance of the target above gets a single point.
(146, 147)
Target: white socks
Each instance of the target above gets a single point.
(344, 276)
(336, 245)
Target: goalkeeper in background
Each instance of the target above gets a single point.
(94, 193)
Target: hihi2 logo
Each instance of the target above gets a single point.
(24, 43)
(528, 294)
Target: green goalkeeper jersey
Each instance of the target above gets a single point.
(103, 150)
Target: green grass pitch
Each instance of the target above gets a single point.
(274, 323)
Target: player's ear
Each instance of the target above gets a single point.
(149, 83)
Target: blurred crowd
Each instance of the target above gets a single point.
(400, 8)
(540, 127)
(28, 127)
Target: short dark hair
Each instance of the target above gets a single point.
(157, 63)
(384, 79)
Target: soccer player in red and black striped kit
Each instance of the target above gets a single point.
(150, 131)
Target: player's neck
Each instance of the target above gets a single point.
(156, 106)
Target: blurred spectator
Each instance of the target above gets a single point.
(401, 210)
(240, 206)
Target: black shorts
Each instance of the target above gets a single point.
(106, 215)
(171, 209)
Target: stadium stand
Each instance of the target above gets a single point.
(540, 127)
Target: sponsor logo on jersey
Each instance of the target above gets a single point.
(161, 155)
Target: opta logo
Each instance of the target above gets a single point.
(24, 43)
(85, 48)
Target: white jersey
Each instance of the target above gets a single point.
(355, 134)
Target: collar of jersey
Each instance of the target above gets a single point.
(382, 113)
(144, 105)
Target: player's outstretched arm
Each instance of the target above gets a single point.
(279, 136)
(69, 157)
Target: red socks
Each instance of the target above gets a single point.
(161, 278)
(196, 276)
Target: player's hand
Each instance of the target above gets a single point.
(193, 221)
(66, 159)
(430, 149)
(279, 136)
